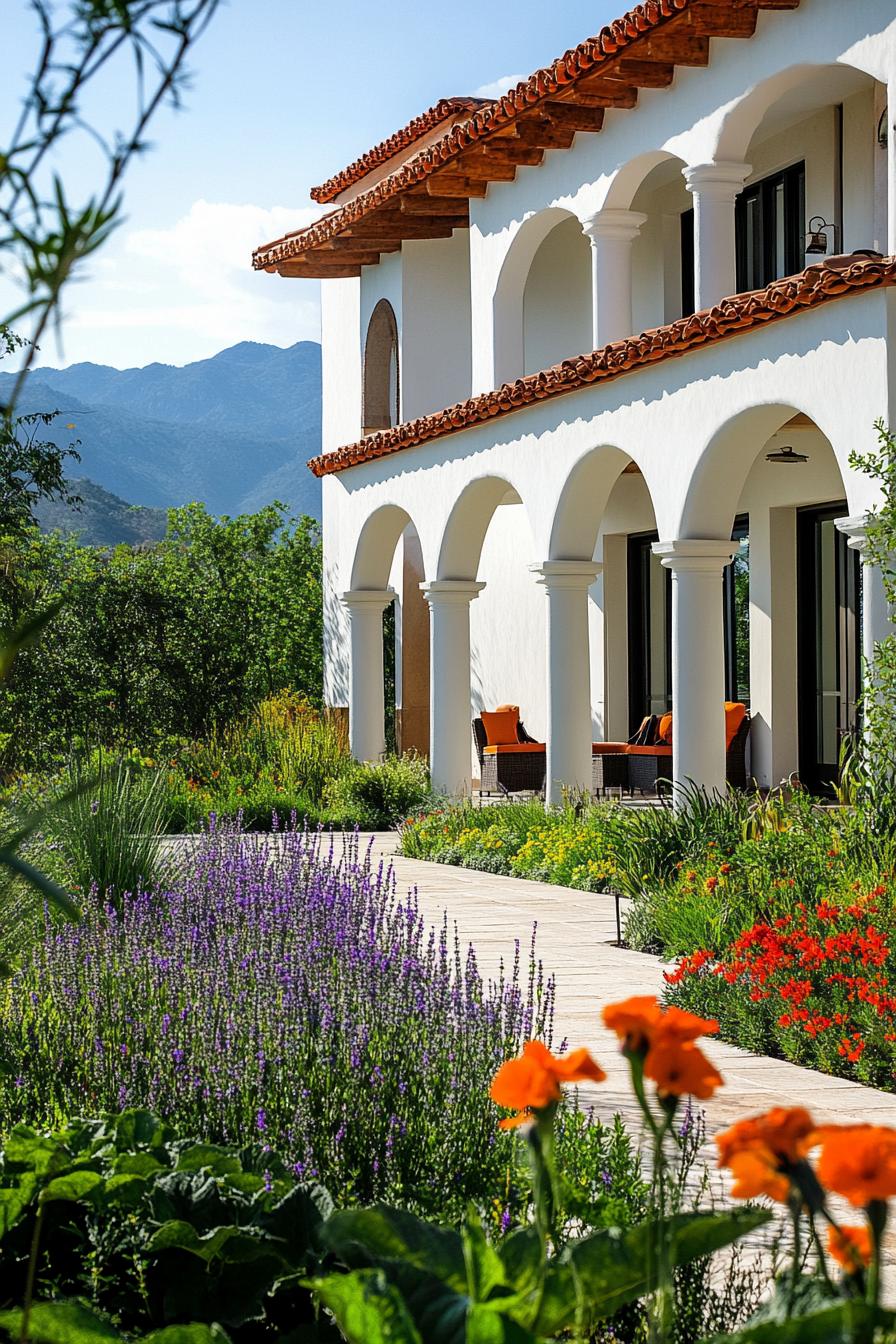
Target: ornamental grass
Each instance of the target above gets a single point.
(284, 993)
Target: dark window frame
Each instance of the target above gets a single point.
(760, 269)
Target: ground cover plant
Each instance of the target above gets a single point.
(280, 991)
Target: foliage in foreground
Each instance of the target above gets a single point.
(279, 991)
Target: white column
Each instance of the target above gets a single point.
(450, 735)
(611, 233)
(714, 187)
(566, 583)
(698, 661)
(877, 621)
(891, 167)
(366, 702)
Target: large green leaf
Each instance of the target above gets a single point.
(364, 1236)
(35, 1152)
(485, 1269)
(233, 1245)
(522, 1256)
(15, 1200)
(367, 1308)
(61, 1323)
(486, 1327)
(841, 1324)
(601, 1273)
(296, 1221)
(188, 1334)
(74, 1185)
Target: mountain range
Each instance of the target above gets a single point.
(233, 431)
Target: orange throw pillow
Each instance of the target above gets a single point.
(500, 727)
(735, 713)
(664, 731)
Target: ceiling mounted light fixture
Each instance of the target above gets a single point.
(786, 456)
(816, 236)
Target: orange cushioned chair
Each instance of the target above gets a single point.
(510, 761)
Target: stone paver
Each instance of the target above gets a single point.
(575, 942)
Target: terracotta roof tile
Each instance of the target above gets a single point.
(638, 24)
(744, 312)
(445, 109)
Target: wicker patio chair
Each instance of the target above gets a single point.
(650, 765)
(610, 762)
(518, 767)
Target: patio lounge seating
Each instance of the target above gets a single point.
(641, 764)
(510, 761)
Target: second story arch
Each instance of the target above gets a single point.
(381, 392)
(542, 302)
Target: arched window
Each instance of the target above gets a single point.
(381, 370)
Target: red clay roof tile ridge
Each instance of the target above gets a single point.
(830, 279)
(402, 139)
(638, 23)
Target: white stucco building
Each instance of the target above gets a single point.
(702, 199)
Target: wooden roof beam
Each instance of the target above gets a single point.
(543, 134)
(512, 151)
(643, 74)
(312, 269)
(714, 20)
(597, 91)
(679, 47)
(454, 185)
(435, 205)
(574, 116)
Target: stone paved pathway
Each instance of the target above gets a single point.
(576, 933)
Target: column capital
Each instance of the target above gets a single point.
(451, 592)
(619, 225)
(855, 529)
(695, 556)
(368, 597)
(722, 181)
(566, 573)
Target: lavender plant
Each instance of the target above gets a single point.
(280, 991)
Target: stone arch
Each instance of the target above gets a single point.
(628, 179)
(375, 549)
(463, 536)
(509, 325)
(720, 473)
(583, 501)
(746, 114)
(381, 391)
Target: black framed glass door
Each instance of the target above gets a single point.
(829, 643)
(770, 228)
(650, 625)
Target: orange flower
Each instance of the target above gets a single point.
(681, 1068)
(784, 1131)
(532, 1082)
(634, 1020)
(858, 1161)
(851, 1247)
(760, 1151)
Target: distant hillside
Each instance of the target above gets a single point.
(103, 519)
(234, 431)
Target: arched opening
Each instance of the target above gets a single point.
(557, 302)
(488, 538)
(381, 399)
(771, 479)
(389, 555)
(662, 261)
(810, 136)
(524, 297)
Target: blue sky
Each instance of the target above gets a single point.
(283, 94)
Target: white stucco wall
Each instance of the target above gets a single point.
(436, 338)
(557, 299)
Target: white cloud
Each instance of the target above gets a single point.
(183, 292)
(498, 86)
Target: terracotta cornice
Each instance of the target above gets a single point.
(832, 279)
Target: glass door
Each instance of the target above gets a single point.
(829, 661)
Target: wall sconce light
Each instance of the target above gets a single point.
(786, 456)
(883, 129)
(816, 237)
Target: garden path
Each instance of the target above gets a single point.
(576, 933)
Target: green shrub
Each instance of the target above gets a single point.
(379, 796)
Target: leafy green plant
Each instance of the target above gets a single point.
(378, 796)
(107, 829)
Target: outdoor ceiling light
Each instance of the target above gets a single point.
(816, 237)
(786, 455)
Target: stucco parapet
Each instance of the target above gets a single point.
(834, 278)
